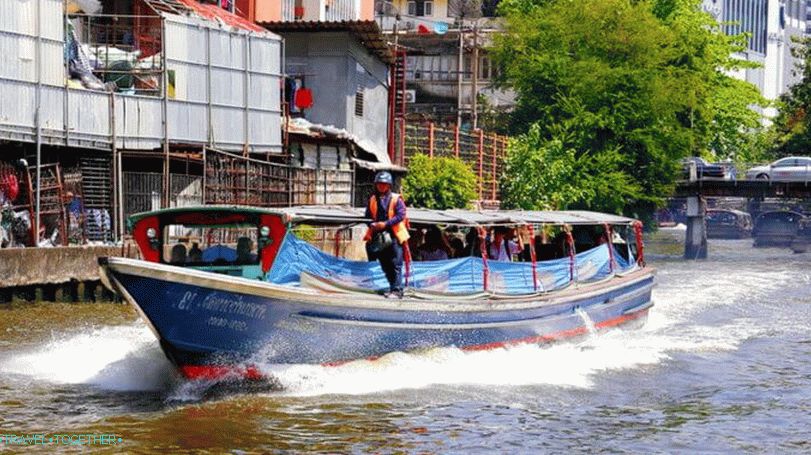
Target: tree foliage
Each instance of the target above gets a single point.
(611, 94)
(439, 183)
(569, 179)
(791, 131)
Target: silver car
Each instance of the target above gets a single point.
(792, 168)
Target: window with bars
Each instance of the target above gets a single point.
(420, 8)
(359, 102)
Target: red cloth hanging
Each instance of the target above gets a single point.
(303, 99)
(10, 186)
(423, 30)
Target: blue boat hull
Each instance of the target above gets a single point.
(207, 322)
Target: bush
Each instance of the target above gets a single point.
(439, 183)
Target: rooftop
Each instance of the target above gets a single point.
(367, 32)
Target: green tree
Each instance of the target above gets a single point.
(439, 183)
(614, 93)
(547, 174)
(791, 130)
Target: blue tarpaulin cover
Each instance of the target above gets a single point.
(453, 276)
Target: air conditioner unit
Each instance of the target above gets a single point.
(410, 96)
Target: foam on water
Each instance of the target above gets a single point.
(122, 358)
(128, 357)
(672, 327)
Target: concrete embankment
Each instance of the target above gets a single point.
(51, 274)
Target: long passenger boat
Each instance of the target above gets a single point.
(225, 289)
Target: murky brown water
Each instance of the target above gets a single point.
(721, 365)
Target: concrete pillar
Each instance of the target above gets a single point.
(90, 291)
(70, 291)
(107, 295)
(695, 243)
(49, 292)
(753, 207)
(27, 293)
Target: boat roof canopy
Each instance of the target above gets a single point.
(333, 215)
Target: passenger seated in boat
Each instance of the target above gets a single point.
(436, 247)
(526, 254)
(472, 248)
(244, 255)
(501, 247)
(195, 253)
(178, 255)
(415, 241)
(458, 247)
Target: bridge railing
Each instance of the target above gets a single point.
(739, 171)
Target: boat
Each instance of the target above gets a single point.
(728, 224)
(227, 290)
(776, 228)
(802, 241)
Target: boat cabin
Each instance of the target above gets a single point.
(450, 250)
(728, 224)
(777, 228)
(802, 241)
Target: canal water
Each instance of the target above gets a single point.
(723, 364)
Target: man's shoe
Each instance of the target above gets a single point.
(394, 295)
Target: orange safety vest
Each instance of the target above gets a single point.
(400, 229)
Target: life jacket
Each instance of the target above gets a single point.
(400, 229)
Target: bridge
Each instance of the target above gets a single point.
(695, 243)
(752, 189)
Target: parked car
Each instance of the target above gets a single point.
(792, 168)
(707, 171)
(728, 224)
(776, 228)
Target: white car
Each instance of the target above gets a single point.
(789, 169)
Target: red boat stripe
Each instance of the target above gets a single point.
(213, 372)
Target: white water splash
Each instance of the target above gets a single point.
(123, 358)
(675, 325)
(128, 357)
(586, 321)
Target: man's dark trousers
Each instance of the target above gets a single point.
(391, 261)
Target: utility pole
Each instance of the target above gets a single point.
(460, 69)
(475, 68)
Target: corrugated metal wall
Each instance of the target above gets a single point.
(21, 21)
(226, 84)
(227, 87)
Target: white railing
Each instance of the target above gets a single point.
(288, 10)
(340, 10)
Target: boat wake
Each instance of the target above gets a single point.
(119, 358)
(696, 313)
(693, 313)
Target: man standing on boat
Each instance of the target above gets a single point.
(387, 232)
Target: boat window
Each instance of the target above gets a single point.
(721, 217)
(220, 246)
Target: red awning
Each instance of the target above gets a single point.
(212, 12)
